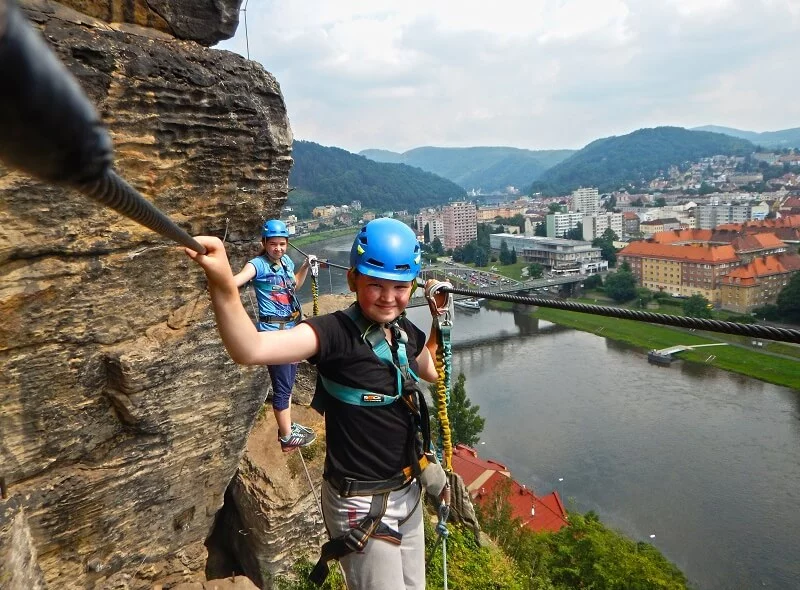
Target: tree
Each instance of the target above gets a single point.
(426, 233)
(606, 245)
(513, 255)
(505, 253)
(554, 207)
(621, 285)
(466, 424)
(576, 233)
(789, 300)
(541, 230)
(535, 271)
(437, 246)
(593, 281)
(660, 202)
(697, 306)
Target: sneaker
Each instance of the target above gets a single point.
(300, 428)
(297, 438)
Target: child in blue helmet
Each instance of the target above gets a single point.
(376, 458)
(275, 281)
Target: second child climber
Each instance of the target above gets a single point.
(275, 282)
(368, 358)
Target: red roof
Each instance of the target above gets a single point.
(484, 477)
(535, 513)
(761, 267)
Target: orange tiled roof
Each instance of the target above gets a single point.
(682, 235)
(687, 253)
(761, 241)
(763, 266)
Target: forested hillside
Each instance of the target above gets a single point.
(329, 175)
(632, 160)
(485, 168)
(784, 138)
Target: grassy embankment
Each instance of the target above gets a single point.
(761, 363)
(324, 235)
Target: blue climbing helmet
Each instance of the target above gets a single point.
(274, 228)
(386, 249)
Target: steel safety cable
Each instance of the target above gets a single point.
(751, 330)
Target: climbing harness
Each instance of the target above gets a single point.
(418, 445)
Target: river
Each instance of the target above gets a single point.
(705, 460)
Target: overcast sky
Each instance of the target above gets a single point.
(536, 74)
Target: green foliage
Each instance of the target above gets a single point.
(488, 168)
(505, 253)
(606, 244)
(535, 271)
(593, 282)
(697, 306)
(298, 579)
(576, 233)
(586, 554)
(789, 300)
(541, 230)
(437, 246)
(468, 565)
(643, 297)
(767, 312)
(621, 285)
(337, 177)
(466, 423)
(634, 159)
(517, 220)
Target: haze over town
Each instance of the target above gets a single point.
(536, 74)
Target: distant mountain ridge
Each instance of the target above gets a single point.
(629, 161)
(488, 169)
(784, 138)
(329, 175)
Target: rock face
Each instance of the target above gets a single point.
(122, 419)
(204, 21)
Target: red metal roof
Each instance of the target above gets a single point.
(483, 477)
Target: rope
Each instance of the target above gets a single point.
(310, 483)
(751, 330)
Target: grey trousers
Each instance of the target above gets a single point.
(382, 565)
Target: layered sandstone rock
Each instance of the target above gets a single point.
(204, 21)
(122, 420)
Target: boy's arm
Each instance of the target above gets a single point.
(244, 343)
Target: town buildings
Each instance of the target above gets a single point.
(736, 266)
(460, 224)
(555, 254)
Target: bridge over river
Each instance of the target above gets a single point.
(449, 273)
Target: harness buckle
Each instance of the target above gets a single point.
(356, 539)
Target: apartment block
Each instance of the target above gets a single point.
(711, 216)
(460, 224)
(595, 225)
(680, 269)
(758, 283)
(435, 222)
(558, 224)
(586, 201)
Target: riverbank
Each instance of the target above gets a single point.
(324, 235)
(734, 358)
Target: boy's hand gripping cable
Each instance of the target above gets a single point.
(50, 130)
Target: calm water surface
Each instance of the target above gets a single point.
(705, 460)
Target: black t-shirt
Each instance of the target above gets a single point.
(365, 443)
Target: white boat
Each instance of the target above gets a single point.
(471, 303)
